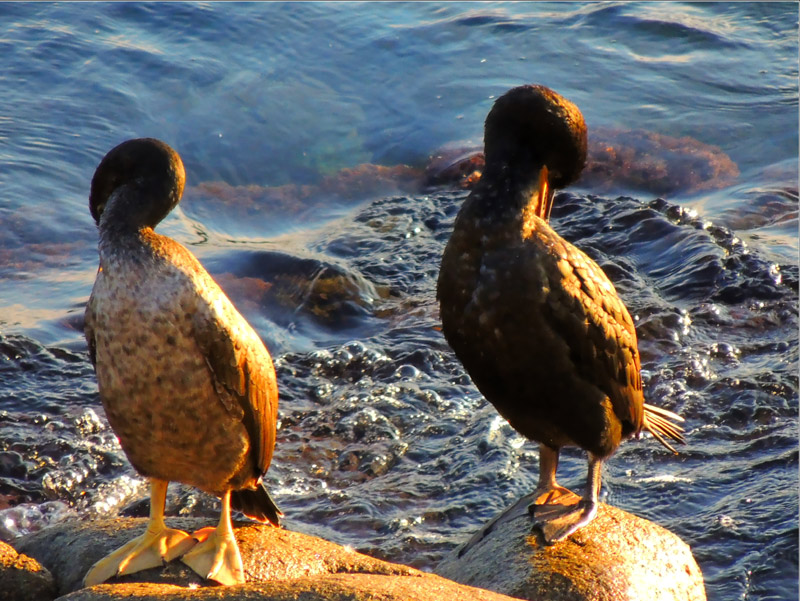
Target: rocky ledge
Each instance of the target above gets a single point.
(616, 557)
(22, 578)
(280, 565)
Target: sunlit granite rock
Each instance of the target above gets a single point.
(23, 578)
(616, 557)
(280, 564)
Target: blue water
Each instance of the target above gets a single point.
(384, 443)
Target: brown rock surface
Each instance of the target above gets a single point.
(280, 564)
(616, 557)
(23, 578)
(332, 587)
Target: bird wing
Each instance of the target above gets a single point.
(89, 324)
(243, 375)
(598, 329)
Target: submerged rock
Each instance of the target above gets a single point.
(618, 160)
(211, 201)
(23, 578)
(293, 290)
(279, 563)
(616, 557)
(654, 162)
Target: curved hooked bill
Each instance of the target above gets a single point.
(545, 192)
(540, 202)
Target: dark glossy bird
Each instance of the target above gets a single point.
(535, 322)
(187, 385)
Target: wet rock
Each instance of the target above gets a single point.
(459, 168)
(23, 578)
(653, 162)
(280, 564)
(286, 286)
(617, 557)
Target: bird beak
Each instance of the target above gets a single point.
(544, 193)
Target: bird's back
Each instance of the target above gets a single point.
(187, 384)
(540, 329)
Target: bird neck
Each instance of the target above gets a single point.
(517, 192)
(122, 226)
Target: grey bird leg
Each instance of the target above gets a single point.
(557, 521)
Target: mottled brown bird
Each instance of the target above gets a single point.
(535, 322)
(186, 383)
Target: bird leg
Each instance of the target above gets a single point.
(558, 521)
(150, 550)
(217, 556)
(548, 490)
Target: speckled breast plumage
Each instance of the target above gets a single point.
(154, 318)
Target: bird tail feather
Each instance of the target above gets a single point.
(661, 424)
(257, 504)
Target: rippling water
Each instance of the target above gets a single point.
(384, 443)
